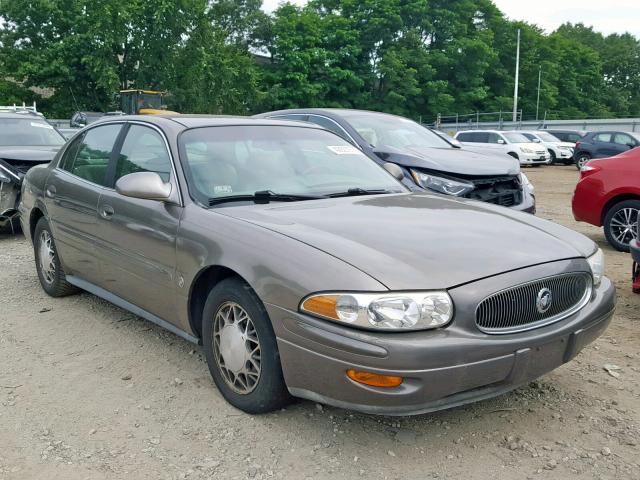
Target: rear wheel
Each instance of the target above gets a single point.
(582, 159)
(621, 223)
(48, 265)
(241, 349)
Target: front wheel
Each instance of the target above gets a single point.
(621, 223)
(552, 161)
(241, 349)
(48, 265)
(582, 159)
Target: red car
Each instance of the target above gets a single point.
(608, 195)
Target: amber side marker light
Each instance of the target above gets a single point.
(374, 379)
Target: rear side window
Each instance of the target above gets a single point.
(143, 150)
(93, 153)
(463, 137)
(603, 137)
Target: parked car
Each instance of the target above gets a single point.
(306, 269)
(608, 195)
(26, 140)
(427, 160)
(603, 144)
(569, 136)
(560, 152)
(511, 143)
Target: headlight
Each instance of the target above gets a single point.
(441, 184)
(596, 262)
(383, 311)
(526, 150)
(527, 184)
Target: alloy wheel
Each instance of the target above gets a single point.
(582, 160)
(47, 257)
(236, 348)
(624, 225)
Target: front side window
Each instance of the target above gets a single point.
(91, 161)
(241, 160)
(623, 139)
(143, 150)
(494, 138)
(28, 132)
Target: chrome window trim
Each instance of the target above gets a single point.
(541, 323)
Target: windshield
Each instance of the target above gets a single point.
(28, 132)
(515, 137)
(241, 160)
(547, 137)
(397, 132)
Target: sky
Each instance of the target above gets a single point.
(614, 16)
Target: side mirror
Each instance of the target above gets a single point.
(394, 170)
(536, 140)
(501, 141)
(144, 185)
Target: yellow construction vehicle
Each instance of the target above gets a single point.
(143, 102)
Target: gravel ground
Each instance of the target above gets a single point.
(90, 391)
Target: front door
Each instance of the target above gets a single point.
(138, 237)
(72, 193)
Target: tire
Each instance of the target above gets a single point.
(617, 220)
(49, 268)
(252, 383)
(581, 159)
(553, 157)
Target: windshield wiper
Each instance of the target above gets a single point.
(263, 197)
(353, 192)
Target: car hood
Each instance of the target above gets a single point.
(451, 160)
(29, 154)
(419, 240)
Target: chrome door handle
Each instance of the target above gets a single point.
(50, 192)
(107, 211)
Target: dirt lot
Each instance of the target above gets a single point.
(89, 391)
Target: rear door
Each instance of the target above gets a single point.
(603, 145)
(72, 193)
(138, 237)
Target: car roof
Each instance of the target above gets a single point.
(198, 121)
(338, 112)
(32, 116)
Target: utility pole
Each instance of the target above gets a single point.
(515, 88)
(538, 100)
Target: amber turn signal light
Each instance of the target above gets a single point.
(374, 379)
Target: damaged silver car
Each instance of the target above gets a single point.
(26, 140)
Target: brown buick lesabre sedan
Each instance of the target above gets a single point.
(305, 269)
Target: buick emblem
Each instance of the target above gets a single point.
(544, 300)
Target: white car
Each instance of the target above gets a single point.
(511, 143)
(561, 152)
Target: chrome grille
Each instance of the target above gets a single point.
(516, 309)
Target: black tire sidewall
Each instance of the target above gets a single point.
(59, 287)
(607, 222)
(271, 392)
(586, 157)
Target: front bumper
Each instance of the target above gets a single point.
(534, 158)
(441, 368)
